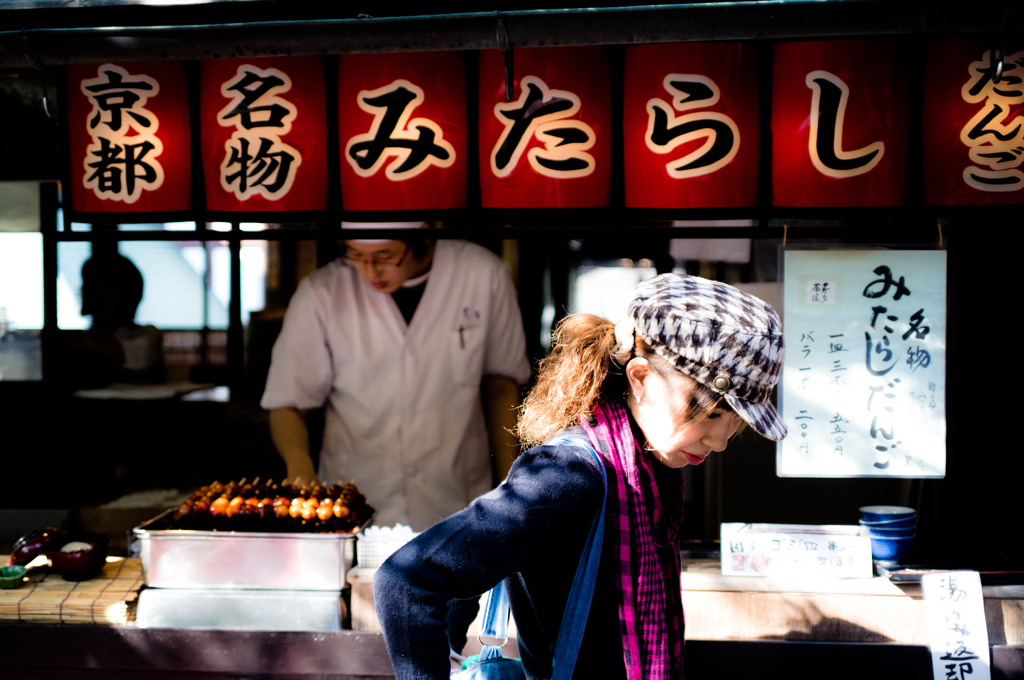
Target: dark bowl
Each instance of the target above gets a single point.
(78, 565)
(882, 513)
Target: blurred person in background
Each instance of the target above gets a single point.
(115, 348)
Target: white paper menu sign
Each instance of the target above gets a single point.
(864, 380)
(956, 625)
(795, 550)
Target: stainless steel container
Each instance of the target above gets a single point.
(239, 610)
(176, 558)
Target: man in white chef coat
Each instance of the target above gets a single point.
(398, 337)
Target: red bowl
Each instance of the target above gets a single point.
(78, 565)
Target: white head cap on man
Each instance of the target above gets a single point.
(380, 225)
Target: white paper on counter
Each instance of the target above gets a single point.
(956, 625)
(795, 550)
(864, 381)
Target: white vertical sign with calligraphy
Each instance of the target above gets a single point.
(864, 382)
(957, 630)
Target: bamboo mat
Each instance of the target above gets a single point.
(107, 599)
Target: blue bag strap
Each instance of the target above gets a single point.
(577, 609)
(495, 622)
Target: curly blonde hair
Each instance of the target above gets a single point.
(583, 370)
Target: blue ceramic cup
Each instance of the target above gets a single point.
(886, 513)
(888, 532)
(890, 548)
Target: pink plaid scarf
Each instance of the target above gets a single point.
(642, 524)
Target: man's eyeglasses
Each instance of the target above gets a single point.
(389, 261)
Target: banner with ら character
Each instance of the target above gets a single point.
(690, 125)
(264, 132)
(129, 137)
(864, 381)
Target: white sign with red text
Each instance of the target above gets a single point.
(795, 550)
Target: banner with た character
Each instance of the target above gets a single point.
(864, 382)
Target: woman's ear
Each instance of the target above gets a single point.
(638, 370)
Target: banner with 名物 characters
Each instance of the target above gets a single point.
(129, 137)
(839, 124)
(550, 147)
(973, 124)
(264, 132)
(690, 125)
(402, 130)
(864, 381)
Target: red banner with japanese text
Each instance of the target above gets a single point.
(129, 137)
(550, 147)
(402, 130)
(264, 132)
(839, 124)
(973, 125)
(690, 125)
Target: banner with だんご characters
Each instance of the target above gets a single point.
(864, 381)
(973, 124)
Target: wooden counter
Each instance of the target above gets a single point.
(825, 610)
(736, 627)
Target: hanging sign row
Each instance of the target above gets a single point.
(690, 119)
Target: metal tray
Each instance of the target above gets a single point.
(178, 558)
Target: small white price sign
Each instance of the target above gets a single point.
(795, 550)
(956, 625)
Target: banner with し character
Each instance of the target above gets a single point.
(864, 383)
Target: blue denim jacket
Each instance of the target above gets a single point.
(529, 531)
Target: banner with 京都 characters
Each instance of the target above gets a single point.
(402, 130)
(264, 132)
(690, 125)
(839, 124)
(864, 382)
(129, 137)
(550, 147)
(973, 124)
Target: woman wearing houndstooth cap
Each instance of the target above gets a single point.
(694, 362)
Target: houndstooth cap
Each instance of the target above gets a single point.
(718, 335)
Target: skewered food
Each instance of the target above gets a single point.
(238, 506)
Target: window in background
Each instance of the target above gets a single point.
(71, 255)
(173, 290)
(604, 288)
(254, 278)
(186, 292)
(21, 282)
(160, 226)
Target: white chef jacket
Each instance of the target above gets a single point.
(404, 416)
